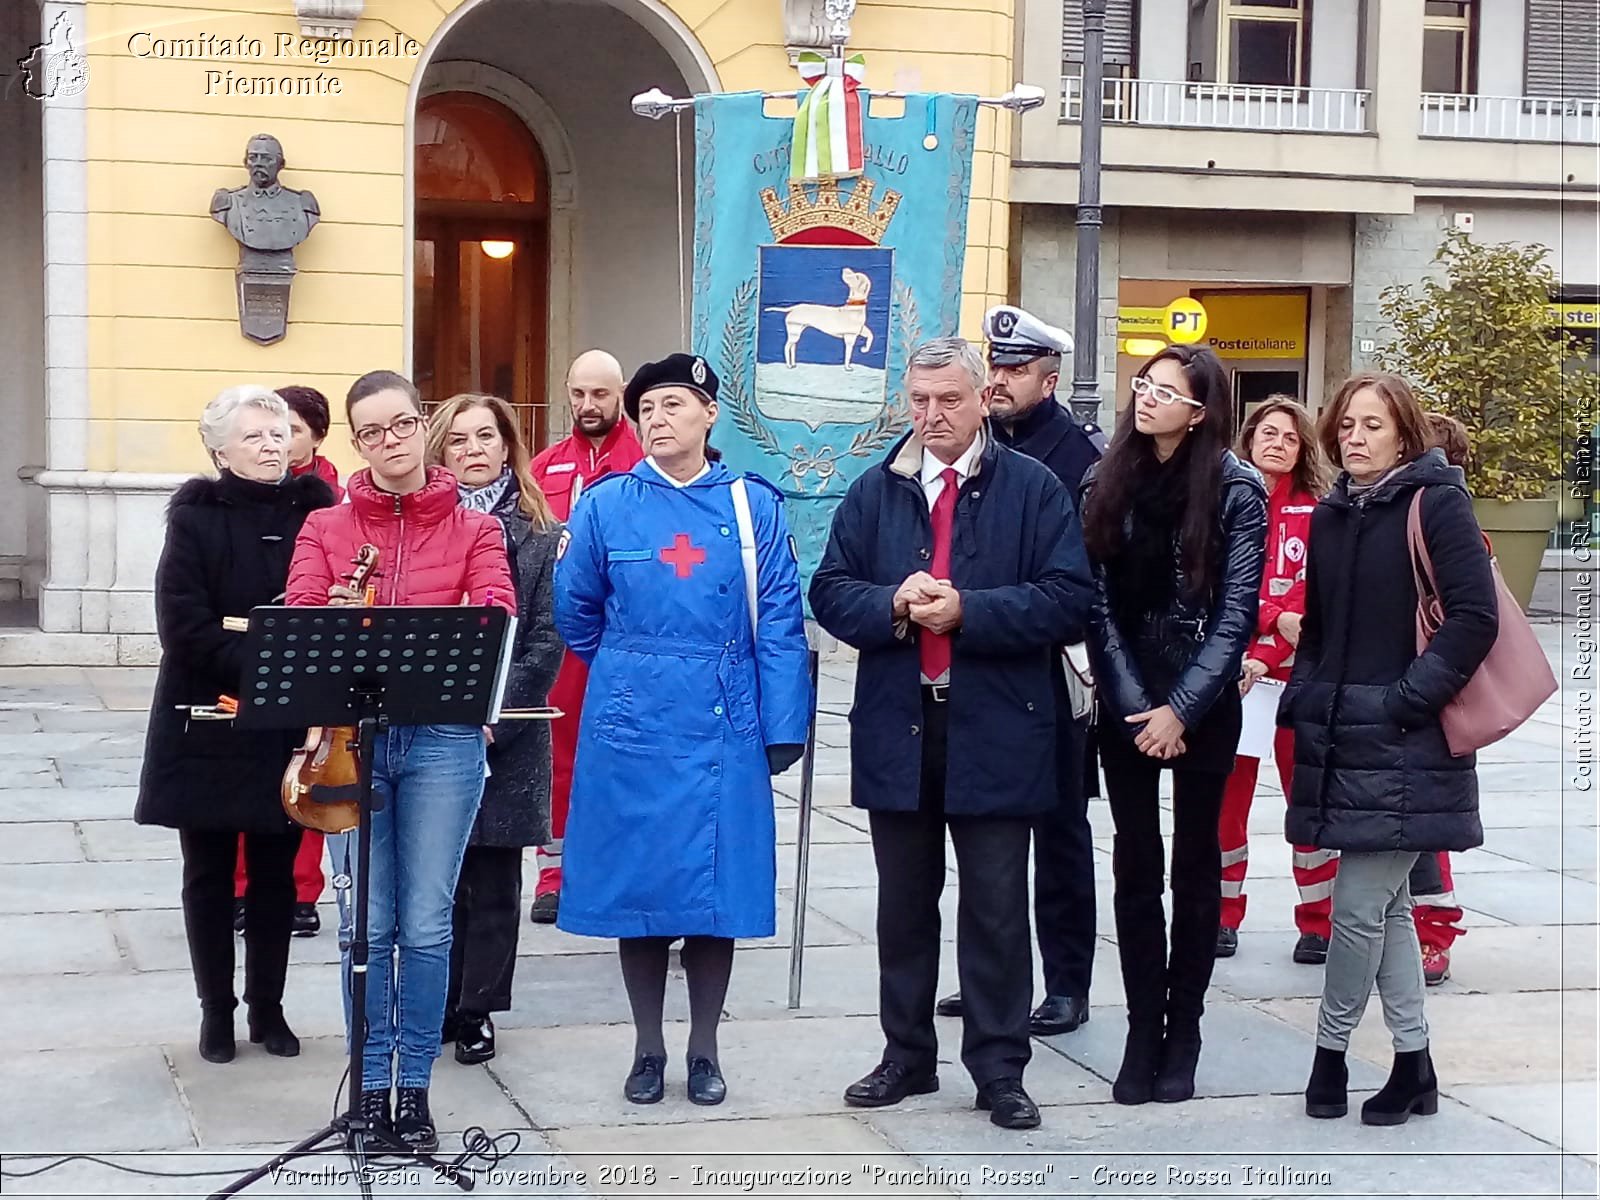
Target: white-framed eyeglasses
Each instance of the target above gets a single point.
(1161, 393)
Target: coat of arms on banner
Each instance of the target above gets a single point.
(826, 315)
(813, 285)
(824, 298)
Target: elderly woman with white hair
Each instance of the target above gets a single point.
(227, 550)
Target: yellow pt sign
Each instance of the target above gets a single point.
(1183, 321)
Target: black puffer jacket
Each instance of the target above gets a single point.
(1209, 636)
(1372, 770)
(227, 550)
(516, 797)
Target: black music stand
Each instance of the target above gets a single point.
(369, 668)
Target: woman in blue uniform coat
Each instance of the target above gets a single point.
(678, 586)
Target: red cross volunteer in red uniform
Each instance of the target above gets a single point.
(1277, 440)
(601, 443)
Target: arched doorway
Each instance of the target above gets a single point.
(618, 233)
(480, 278)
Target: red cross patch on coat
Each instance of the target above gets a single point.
(682, 556)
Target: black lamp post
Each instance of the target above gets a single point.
(1086, 323)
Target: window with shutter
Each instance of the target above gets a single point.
(1119, 37)
(1563, 49)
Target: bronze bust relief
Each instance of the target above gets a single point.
(268, 221)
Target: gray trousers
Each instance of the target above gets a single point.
(1373, 939)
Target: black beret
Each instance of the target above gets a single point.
(675, 370)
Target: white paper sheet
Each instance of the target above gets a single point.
(1260, 718)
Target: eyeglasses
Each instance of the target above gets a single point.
(1161, 393)
(371, 436)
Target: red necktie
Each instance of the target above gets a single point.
(935, 647)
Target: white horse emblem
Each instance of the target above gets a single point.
(847, 321)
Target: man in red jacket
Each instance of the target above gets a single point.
(1278, 442)
(602, 442)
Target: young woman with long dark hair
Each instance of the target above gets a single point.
(1175, 526)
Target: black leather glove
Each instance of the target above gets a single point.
(781, 758)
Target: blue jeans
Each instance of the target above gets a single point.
(429, 779)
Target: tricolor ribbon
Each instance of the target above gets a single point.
(827, 129)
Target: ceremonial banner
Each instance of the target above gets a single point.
(809, 295)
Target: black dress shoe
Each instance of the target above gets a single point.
(706, 1085)
(216, 1035)
(1227, 942)
(474, 1039)
(269, 1029)
(1059, 1014)
(375, 1112)
(949, 1006)
(306, 921)
(1008, 1105)
(413, 1123)
(646, 1083)
(1312, 948)
(238, 915)
(546, 907)
(889, 1083)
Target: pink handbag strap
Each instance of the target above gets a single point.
(1430, 609)
(1421, 560)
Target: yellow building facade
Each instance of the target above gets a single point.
(147, 111)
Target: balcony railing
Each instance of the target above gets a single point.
(1223, 106)
(1509, 118)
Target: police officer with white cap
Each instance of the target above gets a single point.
(1024, 367)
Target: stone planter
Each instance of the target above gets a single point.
(1520, 531)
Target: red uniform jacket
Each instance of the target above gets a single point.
(1283, 583)
(325, 471)
(431, 551)
(566, 468)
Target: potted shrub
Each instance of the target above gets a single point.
(1479, 340)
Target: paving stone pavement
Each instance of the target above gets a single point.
(98, 1016)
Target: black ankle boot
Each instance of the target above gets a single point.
(1180, 1054)
(216, 1034)
(1141, 1055)
(374, 1110)
(1330, 1077)
(269, 1029)
(413, 1123)
(1412, 1088)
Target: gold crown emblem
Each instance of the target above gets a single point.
(825, 209)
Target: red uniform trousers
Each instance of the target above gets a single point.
(1433, 896)
(567, 695)
(1313, 869)
(1435, 911)
(308, 879)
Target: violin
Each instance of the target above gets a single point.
(321, 788)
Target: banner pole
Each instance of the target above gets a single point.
(802, 867)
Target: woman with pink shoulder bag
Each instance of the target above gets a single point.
(1375, 777)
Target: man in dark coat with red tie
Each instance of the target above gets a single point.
(1024, 366)
(956, 568)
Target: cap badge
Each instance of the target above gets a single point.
(1005, 322)
(697, 370)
